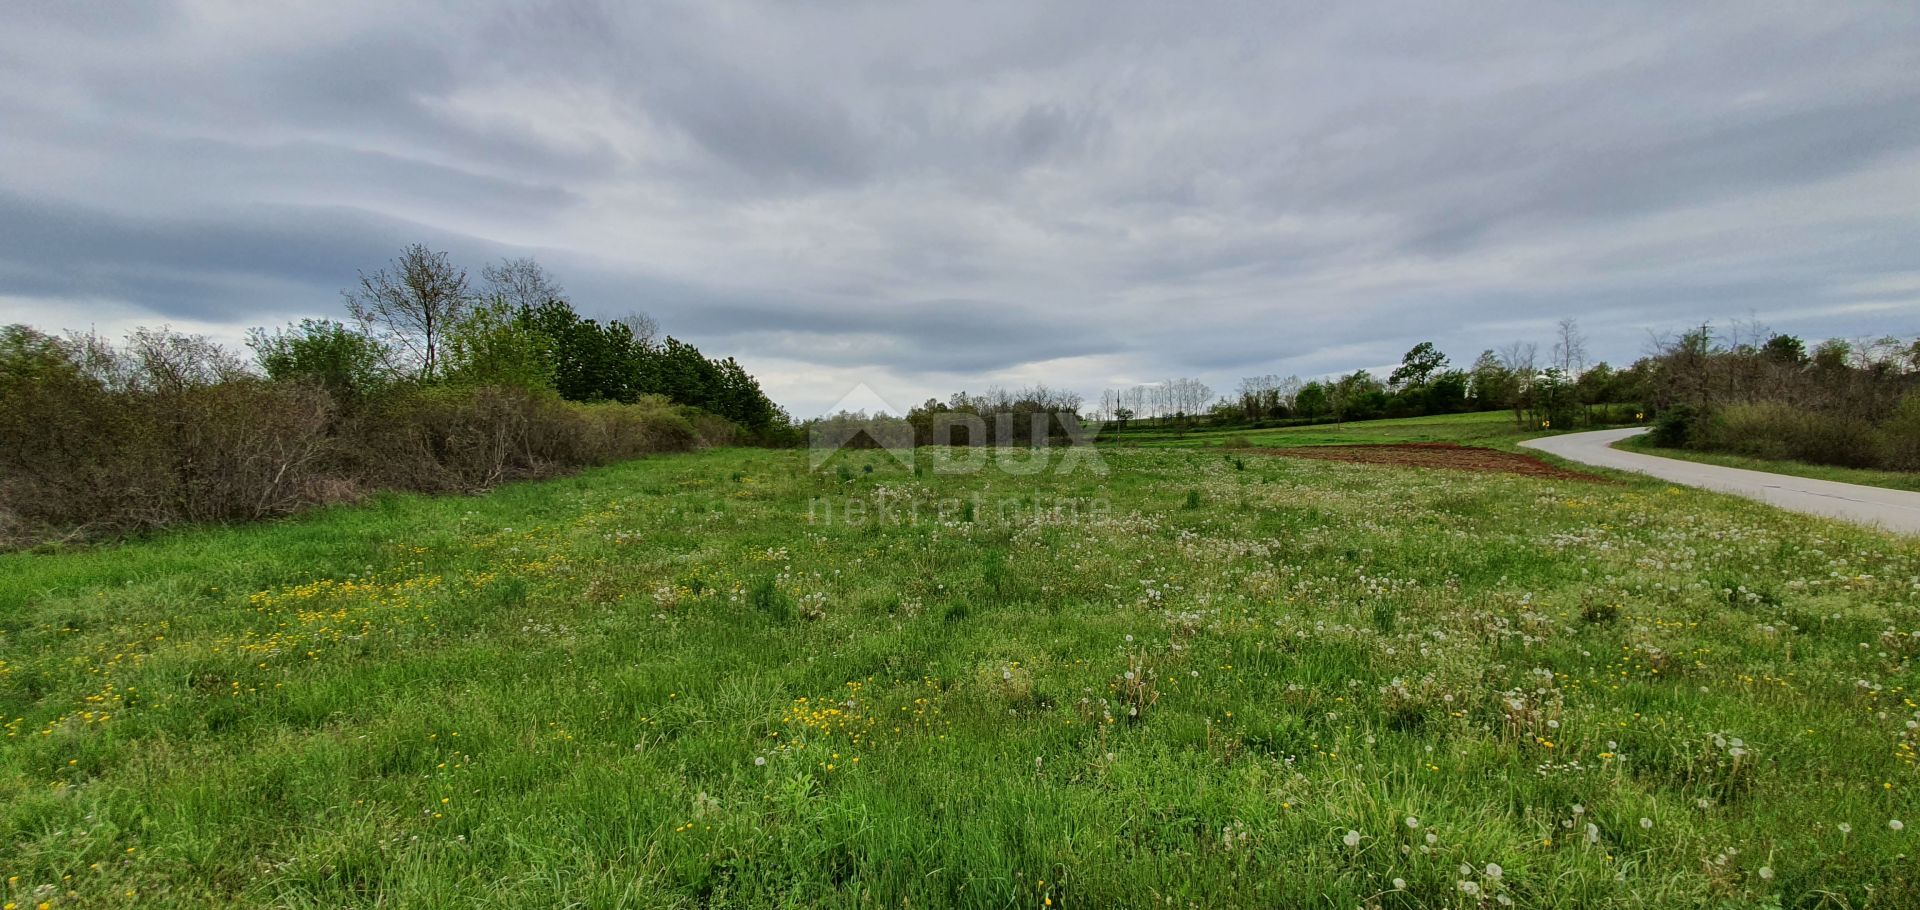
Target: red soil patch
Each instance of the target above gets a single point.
(1434, 455)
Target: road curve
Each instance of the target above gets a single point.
(1890, 510)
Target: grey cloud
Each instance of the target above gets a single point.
(1118, 191)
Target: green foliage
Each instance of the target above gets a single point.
(1777, 430)
(1313, 400)
(1418, 367)
(1556, 402)
(98, 439)
(1674, 426)
(349, 364)
(492, 346)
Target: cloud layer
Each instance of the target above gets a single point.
(927, 197)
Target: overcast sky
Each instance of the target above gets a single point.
(925, 198)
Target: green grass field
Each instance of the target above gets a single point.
(1191, 682)
(1494, 429)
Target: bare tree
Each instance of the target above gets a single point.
(521, 283)
(1518, 358)
(1570, 348)
(411, 304)
(644, 328)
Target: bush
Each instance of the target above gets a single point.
(168, 429)
(464, 439)
(1900, 436)
(1673, 427)
(1774, 430)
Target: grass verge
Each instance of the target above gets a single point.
(1892, 480)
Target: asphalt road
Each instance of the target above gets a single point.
(1891, 510)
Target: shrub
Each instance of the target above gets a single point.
(1673, 427)
(169, 429)
(1900, 436)
(1774, 430)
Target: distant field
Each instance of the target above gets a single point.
(1191, 682)
(1487, 428)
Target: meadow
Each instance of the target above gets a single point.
(1199, 679)
(1495, 429)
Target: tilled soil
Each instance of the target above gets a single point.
(1433, 455)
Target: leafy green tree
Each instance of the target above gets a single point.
(349, 364)
(1833, 356)
(1445, 393)
(738, 397)
(1785, 350)
(491, 345)
(1313, 400)
(1418, 367)
(1491, 385)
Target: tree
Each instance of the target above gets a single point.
(1489, 382)
(1570, 348)
(522, 284)
(410, 305)
(1313, 400)
(1446, 393)
(1517, 359)
(1832, 355)
(1358, 396)
(1417, 367)
(1785, 350)
(350, 365)
(490, 345)
(644, 329)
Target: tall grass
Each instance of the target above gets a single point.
(661, 684)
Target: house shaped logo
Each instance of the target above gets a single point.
(861, 419)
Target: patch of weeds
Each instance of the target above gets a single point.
(766, 597)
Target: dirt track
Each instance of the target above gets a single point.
(1432, 455)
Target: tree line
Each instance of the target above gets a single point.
(432, 382)
(1747, 391)
(421, 320)
(1560, 389)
